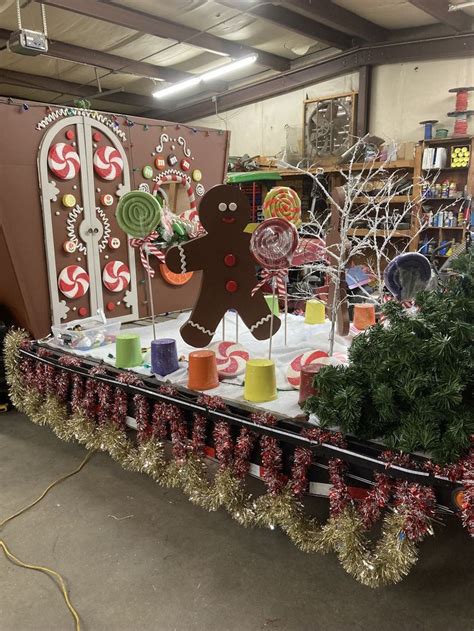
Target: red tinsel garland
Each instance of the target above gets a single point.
(105, 397)
(243, 449)
(299, 470)
(454, 472)
(28, 371)
(40, 377)
(376, 500)
(417, 503)
(89, 402)
(64, 378)
(120, 406)
(263, 418)
(49, 373)
(223, 444)
(213, 403)
(160, 421)
(272, 455)
(198, 436)
(142, 417)
(467, 509)
(272, 463)
(339, 497)
(399, 459)
(169, 390)
(104, 401)
(221, 433)
(179, 434)
(174, 417)
(325, 436)
(303, 456)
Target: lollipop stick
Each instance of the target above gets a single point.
(236, 326)
(286, 312)
(223, 328)
(150, 298)
(272, 319)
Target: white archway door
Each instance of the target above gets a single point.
(83, 170)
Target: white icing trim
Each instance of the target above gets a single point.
(163, 138)
(201, 328)
(71, 230)
(107, 230)
(182, 142)
(72, 111)
(260, 322)
(182, 256)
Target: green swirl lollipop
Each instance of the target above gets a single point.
(138, 213)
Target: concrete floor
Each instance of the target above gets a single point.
(172, 566)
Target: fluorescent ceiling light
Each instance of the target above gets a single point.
(226, 68)
(459, 7)
(177, 87)
(207, 76)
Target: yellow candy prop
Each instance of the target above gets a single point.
(284, 203)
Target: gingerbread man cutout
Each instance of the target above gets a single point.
(229, 274)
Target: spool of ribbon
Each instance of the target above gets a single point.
(268, 275)
(147, 246)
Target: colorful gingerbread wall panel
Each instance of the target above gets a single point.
(180, 163)
(23, 276)
(228, 268)
(97, 157)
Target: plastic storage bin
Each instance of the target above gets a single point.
(87, 333)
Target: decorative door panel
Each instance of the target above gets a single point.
(83, 171)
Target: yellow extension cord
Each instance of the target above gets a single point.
(46, 570)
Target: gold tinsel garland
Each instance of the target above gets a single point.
(388, 562)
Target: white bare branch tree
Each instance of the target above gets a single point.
(373, 212)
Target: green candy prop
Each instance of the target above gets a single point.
(138, 213)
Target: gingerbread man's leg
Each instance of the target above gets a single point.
(257, 316)
(199, 330)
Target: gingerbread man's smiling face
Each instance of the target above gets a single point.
(224, 209)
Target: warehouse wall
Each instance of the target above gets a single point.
(402, 95)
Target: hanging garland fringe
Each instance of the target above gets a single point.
(96, 418)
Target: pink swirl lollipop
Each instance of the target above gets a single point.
(273, 243)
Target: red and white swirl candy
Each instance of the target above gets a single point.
(63, 161)
(339, 358)
(231, 358)
(116, 276)
(73, 281)
(293, 373)
(108, 163)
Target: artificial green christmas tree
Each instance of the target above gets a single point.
(410, 383)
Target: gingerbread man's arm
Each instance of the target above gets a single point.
(186, 257)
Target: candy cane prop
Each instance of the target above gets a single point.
(178, 178)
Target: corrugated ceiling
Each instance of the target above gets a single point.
(203, 15)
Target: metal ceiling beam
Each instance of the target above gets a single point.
(438, 9)
(334, 16)
(40, 82)
(115, 63)
(145, 23)
(284, 18)
(455, 47)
